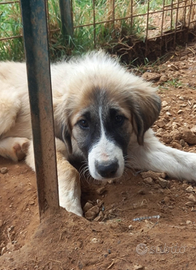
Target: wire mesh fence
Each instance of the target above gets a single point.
(112, 24)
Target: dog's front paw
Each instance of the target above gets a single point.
(69, 187)
(20, 149)
(73, 206)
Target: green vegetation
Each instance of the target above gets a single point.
(108, 34)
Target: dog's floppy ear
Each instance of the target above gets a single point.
(66, 136)
(145, 108)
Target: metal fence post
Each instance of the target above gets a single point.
(38, 72)
(66, 18)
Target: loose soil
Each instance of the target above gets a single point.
(144, 221)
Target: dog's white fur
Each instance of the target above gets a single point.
(68, 81)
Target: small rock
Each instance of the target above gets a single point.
(95, 240)
(111, 181)
(99, 217)
(149, 76)
(193, 129)
(130, 227)
(167, 108)
(176, 145)
(188, 222)
(153, 175)
(175, 135)
(31, 202)
(180, 111)
(99, 202)
(101, 190)
(141, 192)
(166, 199)
(3, 250)
(80, 265)
(92, 212)
(167, 138)
(189, 189)
(160, 123)
(148, 180)
(4, 170)
(168, 113)
(87, 206)
(192, 198)
(138, 267)
(164, 103)
(163, 183)
(182, 142)
(190, 204)
(163, 79)
(189, 136)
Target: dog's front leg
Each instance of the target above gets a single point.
(155, 156)
(68, 179)
(68, 185)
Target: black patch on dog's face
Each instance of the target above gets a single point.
(87, 129)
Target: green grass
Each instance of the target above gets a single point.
(108, 35)
(10, 25)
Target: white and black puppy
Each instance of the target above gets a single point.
(102, 115)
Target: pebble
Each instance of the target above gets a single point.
(4, 170)
(31, 202)
(166, 199)
(111, 181)
(163, 79)
(182, 142)
(141, 192)
(167, 138)
(168, 113)
(150, 76)
(188, 222)
(101, 190)
(99, 217)
(160, 123)
(190, 204)
(189, 136)
(192, 198)
(95, 240)
(164, 103)
(193, 129)
(87, 206)
(92, 212)
(138, 267)
(189, 189)
(99, 202)
(175, 135)
(163, 183)
(153, 175)
(176, 145)
(148, 180)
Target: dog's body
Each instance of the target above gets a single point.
(102, 115)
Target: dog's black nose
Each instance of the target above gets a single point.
(107, 169)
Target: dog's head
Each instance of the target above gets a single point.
(106, 106)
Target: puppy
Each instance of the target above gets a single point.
(102, 116)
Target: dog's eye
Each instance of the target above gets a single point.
(119, 120)
(83, 124)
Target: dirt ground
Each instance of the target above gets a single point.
(145, 221)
